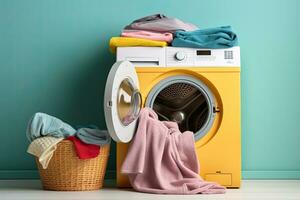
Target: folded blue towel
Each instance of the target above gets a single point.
(212, 38)
(42, 124)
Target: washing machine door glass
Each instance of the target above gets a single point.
(122, 101)
(185, 100)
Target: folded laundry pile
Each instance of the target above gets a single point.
(163, 160)
(127, 41)
(45, 132)
(213, 38)
(160, 23)
(159, 30)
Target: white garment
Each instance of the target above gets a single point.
(43, 148)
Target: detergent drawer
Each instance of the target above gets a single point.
(221, 178)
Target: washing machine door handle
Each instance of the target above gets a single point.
(122, 101)
(136, 100)
(135, 108)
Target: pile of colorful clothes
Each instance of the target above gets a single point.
(159, 30)
(45, 132)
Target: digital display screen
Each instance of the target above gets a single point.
(203, 53)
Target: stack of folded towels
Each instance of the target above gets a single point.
(159, 30)
(45, 132)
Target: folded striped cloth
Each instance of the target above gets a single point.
(43, 148)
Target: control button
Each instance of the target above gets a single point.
(180, 55)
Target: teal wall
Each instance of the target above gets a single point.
(54, 58)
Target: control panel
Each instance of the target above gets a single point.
(180, 57)
(202, 57)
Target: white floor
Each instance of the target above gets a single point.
(256, 190)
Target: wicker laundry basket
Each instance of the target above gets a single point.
(66, 172)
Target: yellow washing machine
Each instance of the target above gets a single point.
(197, 88)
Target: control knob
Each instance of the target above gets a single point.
(180, 55)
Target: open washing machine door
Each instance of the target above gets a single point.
(122, 101)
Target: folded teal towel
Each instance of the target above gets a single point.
(42, 124)
(212, 38)
(93, 136)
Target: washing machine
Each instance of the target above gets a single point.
(197, 88)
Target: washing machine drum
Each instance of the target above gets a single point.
(185, 100)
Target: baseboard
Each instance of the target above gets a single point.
(19, 174)
(110, 174)
(33, 174)
(254, 175)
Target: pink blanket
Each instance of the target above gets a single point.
(163, 160)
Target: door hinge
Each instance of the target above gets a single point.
(216, 109)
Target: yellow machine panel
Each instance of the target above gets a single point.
(219, 151)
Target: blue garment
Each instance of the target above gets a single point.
(42, 124)
(212, 38)
(93, 136)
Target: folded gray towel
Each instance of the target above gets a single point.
(160, 23)
(93, 136)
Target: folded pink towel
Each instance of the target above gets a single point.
(167, 37)
(163, 160)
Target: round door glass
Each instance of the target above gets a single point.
(184, 104)
(186, 101)
(128, 102)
